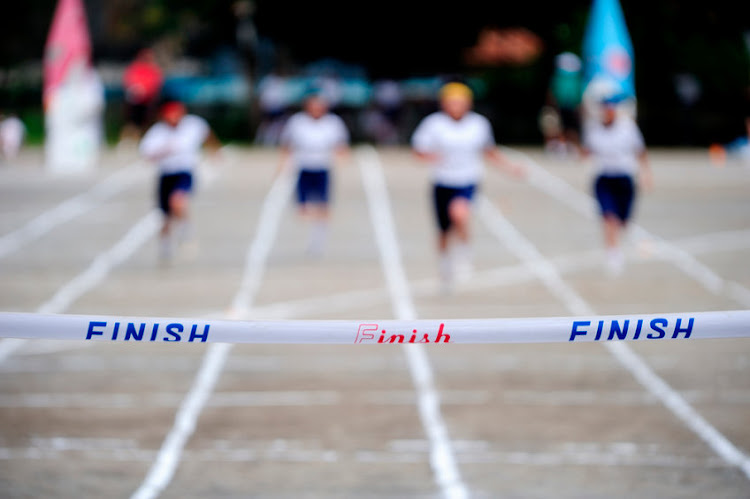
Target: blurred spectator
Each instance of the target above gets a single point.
(376, 127)
(381, 120)
(330, 89)
(246, 35)
(273, 100)
(12, 133)
(142, 82)
(552, 131)
(688, 90)
(739, 148)
(564, 99)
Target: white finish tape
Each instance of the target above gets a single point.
(637, 327)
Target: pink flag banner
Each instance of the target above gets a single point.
(73, 93)
(68, 44)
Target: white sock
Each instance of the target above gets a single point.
(445, 267)
(615, 261)
(183, 230)
(166, 246)
(318, 237)
(464, 266)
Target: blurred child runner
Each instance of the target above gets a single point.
(175, 143)
(311, 139)
(619, 154)
(455, 142)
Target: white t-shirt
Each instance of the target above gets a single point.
(614, 148)
(459, 144)
(12, 131)
(182, 144)
(313, 141)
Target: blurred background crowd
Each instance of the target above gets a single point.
(245, 65)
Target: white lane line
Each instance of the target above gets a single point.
(255, 260)
(304, 307)
(442, 457)
(69, 209)
(596, 454)
(530, 255)
(163, 468)
(563, 454)
(243, 399)
(46, 347)
(104, 263)
(500, 362)
(292, 398)
(585, 206)
(93, 275)
(730, 240)
(8, 346)
(486, 279)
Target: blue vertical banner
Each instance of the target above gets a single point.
(608, 50)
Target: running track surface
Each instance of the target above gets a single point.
(180, 421)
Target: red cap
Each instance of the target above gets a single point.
(173, 109)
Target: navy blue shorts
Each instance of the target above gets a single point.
(615, 194)
(312, 186)
(442, 197)
(170, 183)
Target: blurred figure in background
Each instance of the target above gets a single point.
(688, 89)
(739, 148)
(175, 143)
(564, 99)
(617, 148)
(454, 142)
(246, 34)
(311, 140)
(142, 83)
(381, 120)
(273, 101)
(12, 133)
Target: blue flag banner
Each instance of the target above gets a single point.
(607, 49)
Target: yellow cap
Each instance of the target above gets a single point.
(455, 89)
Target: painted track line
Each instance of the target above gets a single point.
(442, 455)
(548, 275)
(585, 206)
(168, 459)
(105, 262)
(611, 454)
(730, 240)
(69, 209)
(491, 278)
(97, 271)
(290, 398)
(94, 274)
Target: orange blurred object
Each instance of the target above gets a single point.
(717, 155)
(494, 47)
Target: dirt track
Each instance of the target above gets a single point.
(88, 420)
